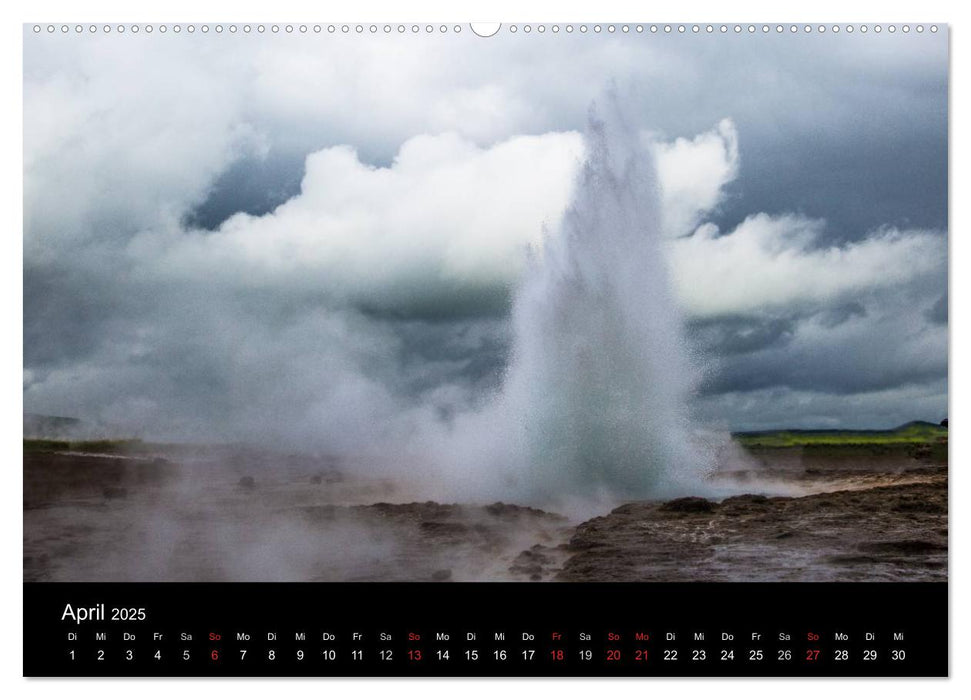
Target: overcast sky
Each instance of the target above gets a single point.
(316, 238)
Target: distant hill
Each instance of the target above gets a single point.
(40, 426)
(914, 432)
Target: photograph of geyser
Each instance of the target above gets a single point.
(610, 306)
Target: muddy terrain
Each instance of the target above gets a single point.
(798, 515)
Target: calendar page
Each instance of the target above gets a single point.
(613, 349)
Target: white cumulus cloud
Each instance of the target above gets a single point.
(446, 215)
(775, 262)
(693, 173)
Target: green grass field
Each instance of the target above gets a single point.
(101, 446)
(914, 433)
(910, 434)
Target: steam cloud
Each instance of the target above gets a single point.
(598, 378)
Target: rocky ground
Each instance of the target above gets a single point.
(847, 516)
(893, 532)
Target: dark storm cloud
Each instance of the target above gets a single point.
(855, 180)
(938, 312)
(877, 344)
(462, 301)
(254, 185)
(848, 369)
(735, 335)
(833, 317)
(472, 352)
(780, 406)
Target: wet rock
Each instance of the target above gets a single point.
(890, 531)
(746, 499)
(434, 528)
(429, 510)
(627, 509)
(904, 547)
(921, 452)
(914, 505)
(534, 555)
(922, 470)
(442, 575)
(585, 540)
(110, 492)
(247, 482)
(745, 504)
(854, 560)
(532, 563)
(510, 511)
(689, 504)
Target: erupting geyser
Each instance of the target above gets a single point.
(598, 383)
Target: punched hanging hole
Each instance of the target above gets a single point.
(485, 29)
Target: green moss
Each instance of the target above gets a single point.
(915, 433)
(32, 445)
(102, 446)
